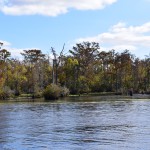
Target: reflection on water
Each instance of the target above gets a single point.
(75, 125)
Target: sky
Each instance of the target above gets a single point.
(42, 24)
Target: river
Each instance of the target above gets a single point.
(76, 124)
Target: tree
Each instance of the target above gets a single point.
(4, 58)
(106, 66)
(4, 55)
(56, 61)
(123, 71)
(17, 79)
(86, 54)
(147, 76)
(68, 76)
(34, 59)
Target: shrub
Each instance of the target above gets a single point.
(4, 95)
(38, 95)
(64, 92)
(52, 92)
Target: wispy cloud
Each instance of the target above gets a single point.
(50, 7)
(121, 36)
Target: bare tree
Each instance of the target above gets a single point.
(56, 61)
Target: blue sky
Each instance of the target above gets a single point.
(42, 24)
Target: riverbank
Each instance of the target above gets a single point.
(89, 96)
(112, 94)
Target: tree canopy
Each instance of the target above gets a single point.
(85, 69)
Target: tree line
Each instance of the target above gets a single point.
(84, 69)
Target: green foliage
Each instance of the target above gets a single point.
(84, 69)
(4, 55)
(83, 86)
(38, 95)
(4, 95)
(32, 55)
(52, 92)
(64, 92)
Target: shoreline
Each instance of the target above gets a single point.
(103, 96)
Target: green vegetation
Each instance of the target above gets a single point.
(85, 69)
(4, 95)
(54, 91)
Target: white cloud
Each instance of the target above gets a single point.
(15, 53)
(5, 43)
(119, 48)
(121, 36)
(49, 7)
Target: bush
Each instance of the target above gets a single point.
(3, 95)
(37, 95)
(64, 92)
(52, 92)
